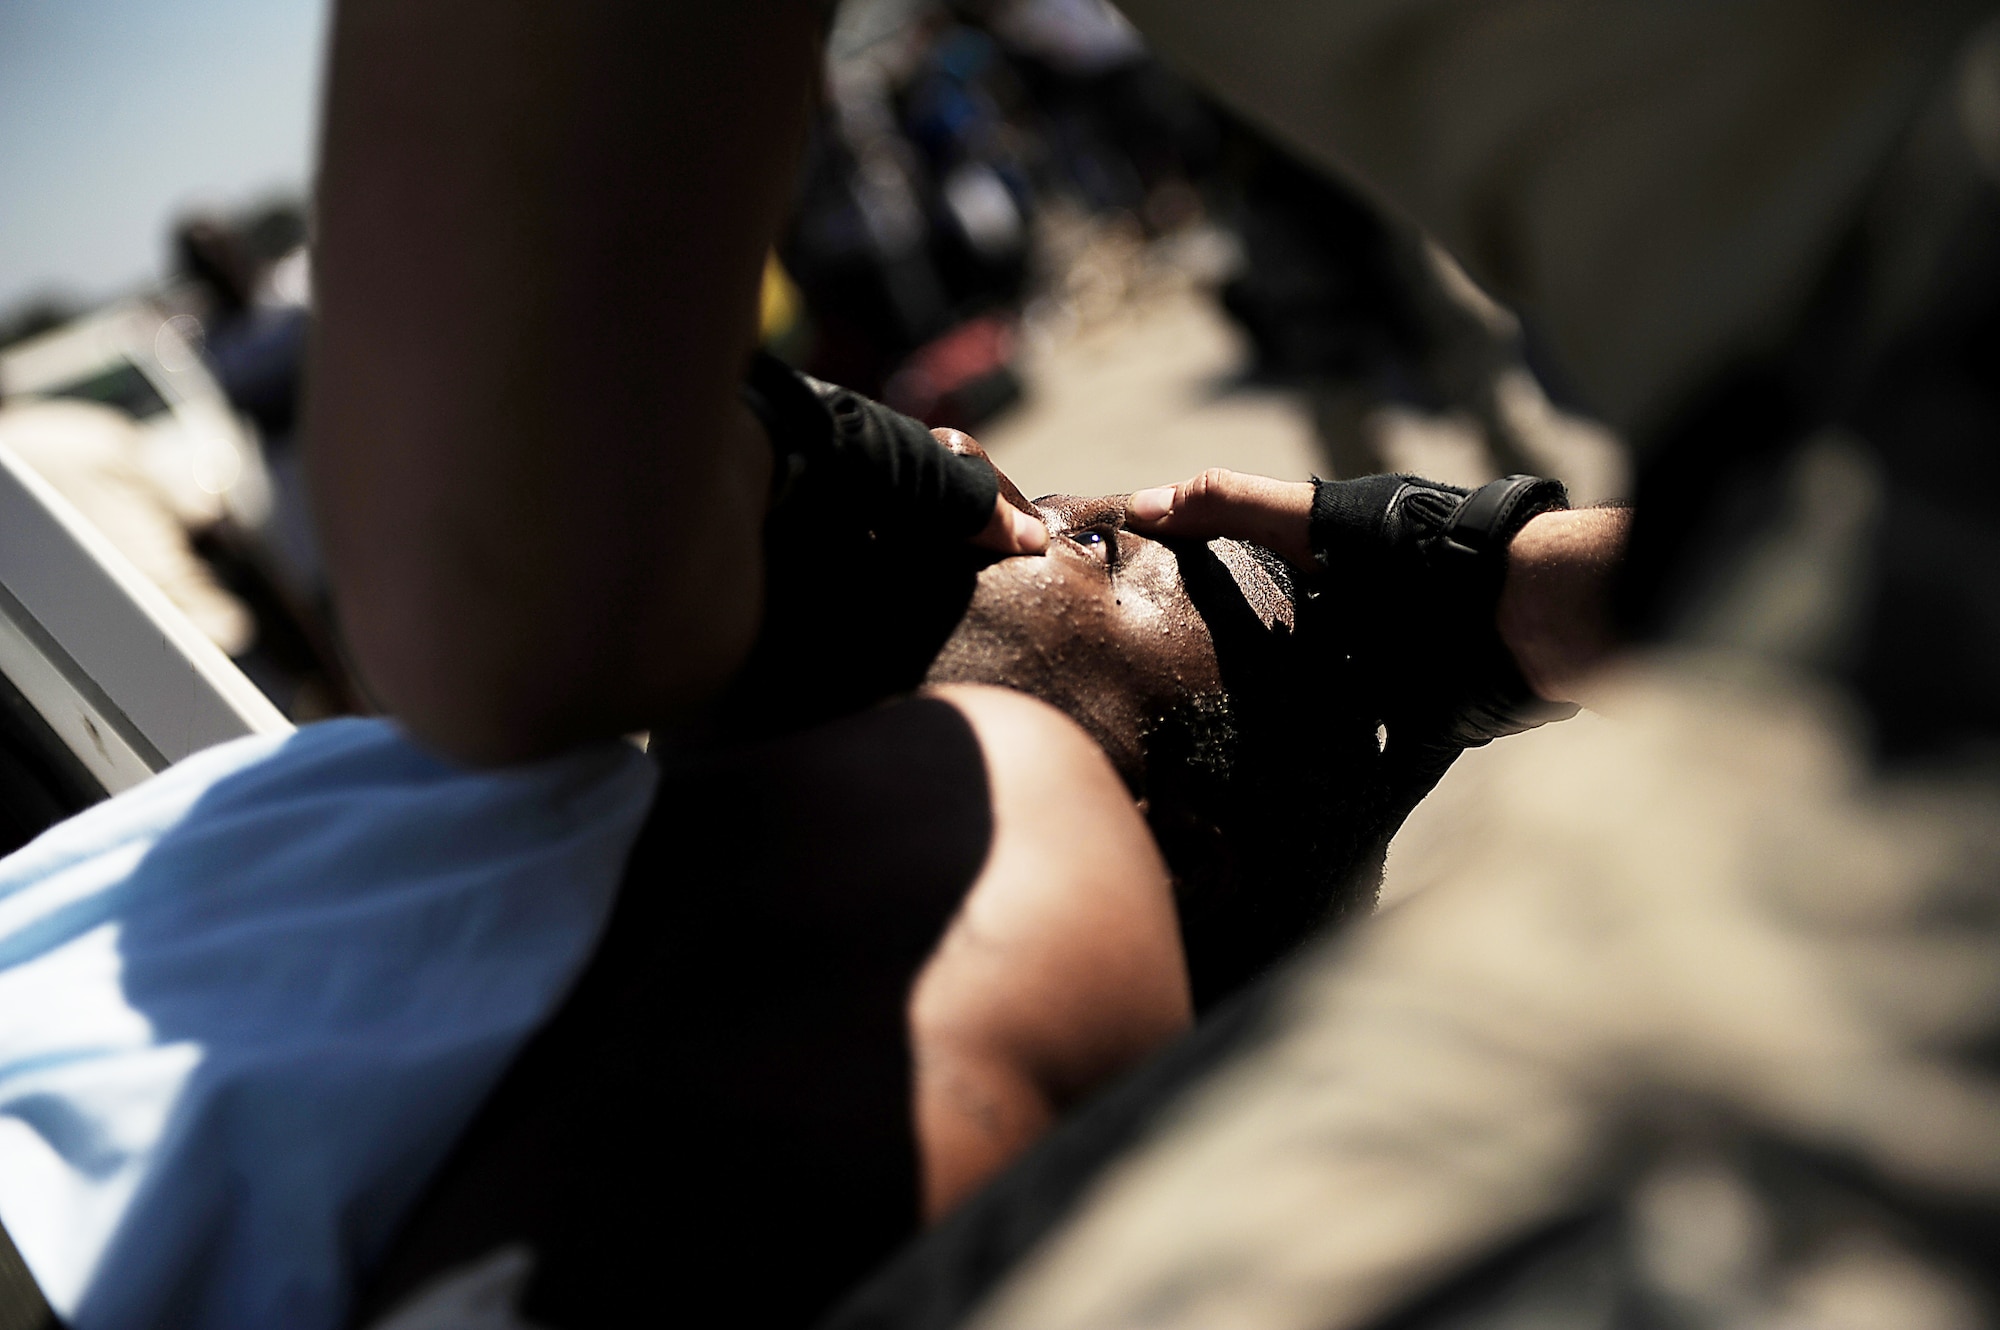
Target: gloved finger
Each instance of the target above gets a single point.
(1014, 528)
(958, 441)
(1012, 531)
(1276, 514)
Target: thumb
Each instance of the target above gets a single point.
(1276, 514)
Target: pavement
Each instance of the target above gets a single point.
(1134, 376)
(1146, 393)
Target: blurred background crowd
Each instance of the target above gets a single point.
(1010, 219)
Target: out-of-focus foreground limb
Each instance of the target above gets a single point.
(540, 235)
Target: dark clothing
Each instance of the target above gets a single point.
(720, 1113)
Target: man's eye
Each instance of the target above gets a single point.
(1096, 540)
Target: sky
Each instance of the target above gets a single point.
(117, 115)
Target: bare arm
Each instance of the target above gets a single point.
(1555, 607)
(541, 229)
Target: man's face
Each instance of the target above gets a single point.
(1257, 779)
(1102, 626)
(1181, 661)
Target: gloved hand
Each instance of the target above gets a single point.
(872, 546)
(1409, 575)
(857, 462)
(1418, 568)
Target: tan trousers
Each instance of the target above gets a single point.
(1659, 184)
(1661, 938)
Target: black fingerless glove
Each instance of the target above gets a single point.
(867, 566)
(1412, 577)
(852, 459)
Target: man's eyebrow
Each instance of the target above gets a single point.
(1075, 515)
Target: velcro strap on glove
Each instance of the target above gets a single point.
(1416, 569)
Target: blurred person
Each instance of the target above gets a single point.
(946, 130)
(909, 229)
(248, 291)
(253, 332)
(1124, 134)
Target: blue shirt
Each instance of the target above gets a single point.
(246, 1007)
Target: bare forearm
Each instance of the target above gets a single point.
(540, 234)
(1555, 608)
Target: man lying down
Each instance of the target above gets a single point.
(867, 947)
(838, 901)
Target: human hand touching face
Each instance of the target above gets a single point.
(1011, 530)
(1276, 514)
(1102, 625)
(1554, 611)
(1253, 754)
